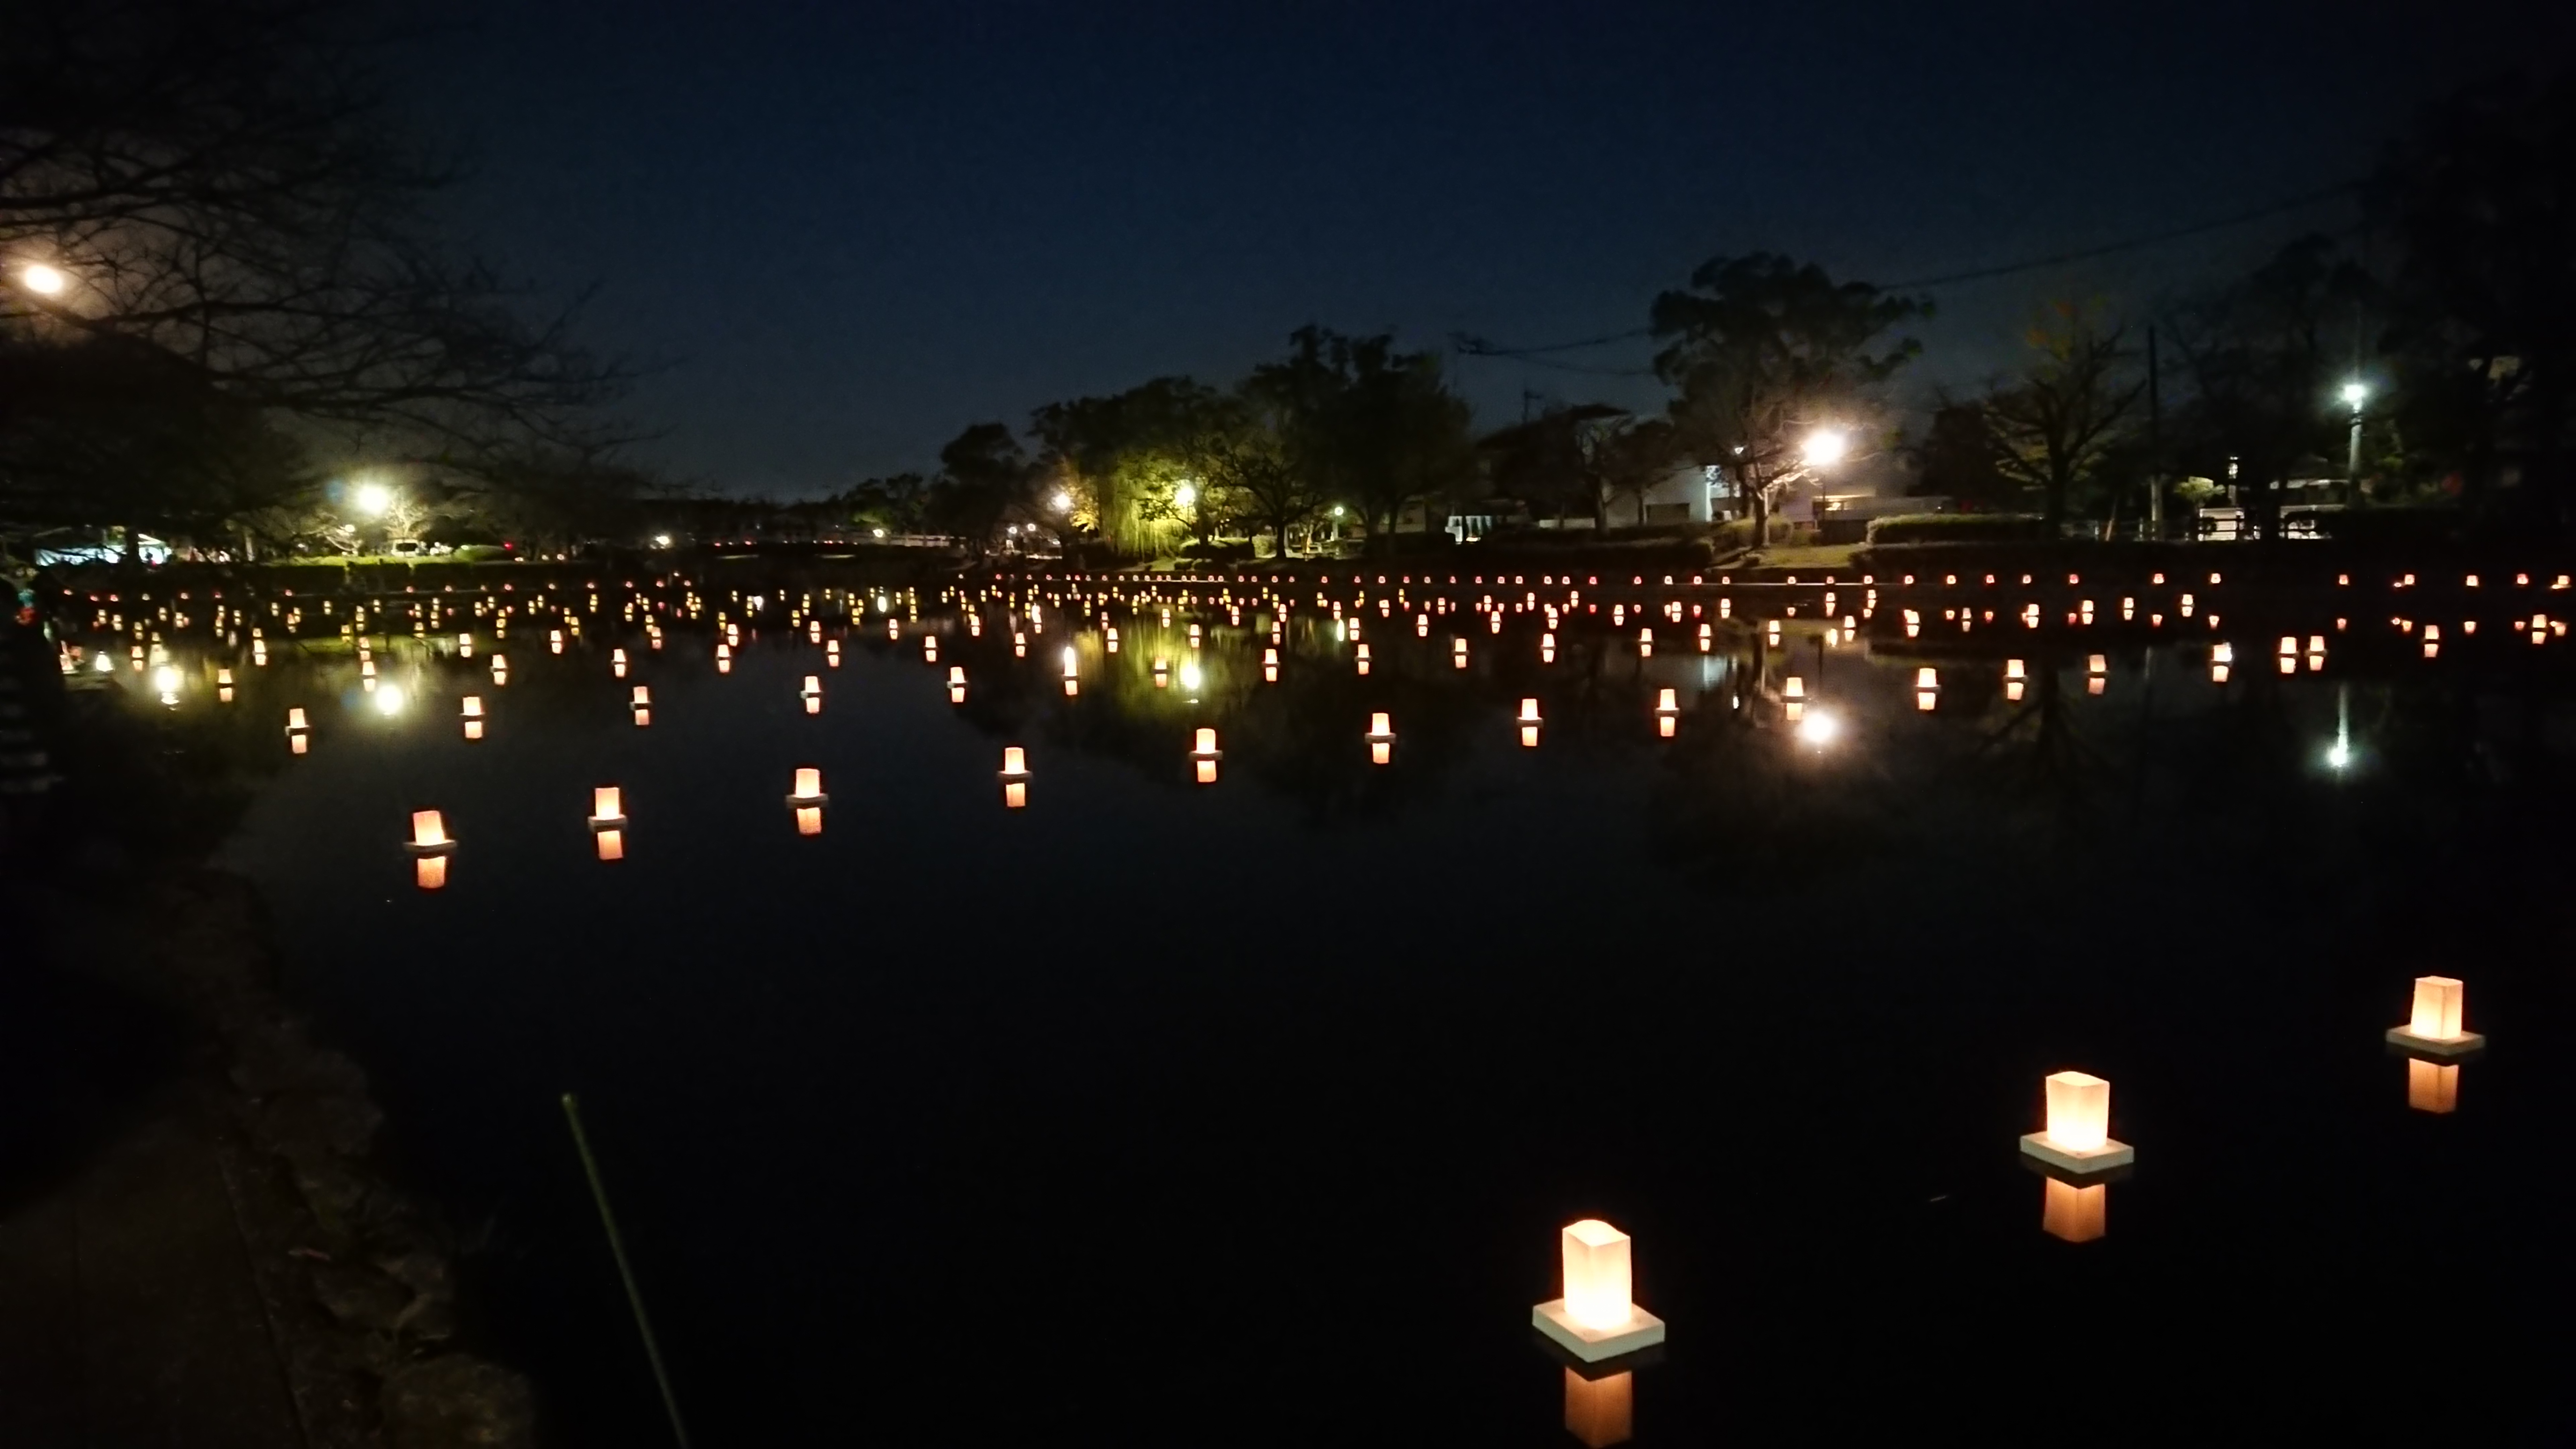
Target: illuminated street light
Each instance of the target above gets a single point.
(1063, 501)
(2354, 394)
(1825, 447)
(43, 280)
(661, 540)
(1337, 510)
(373, 499)
(1185, 495)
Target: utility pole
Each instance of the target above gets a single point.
(2155, 445)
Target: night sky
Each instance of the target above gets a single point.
(847, 230)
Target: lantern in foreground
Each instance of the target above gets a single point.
(2075, 1212)
(1927, 689)
(2013, 680)
(429, 847)
(1270, 665)
(1162, 674)
(809, 787)
(1204, 755)
(617, 663)
(1529, 724)
(1600, 1412)
(1668, 713)
(2078, 1136)
(1547, 647)
(605, 811)
(1458, 652)
(1596, 1320)
(2434, 1027)
(1360, 653)
(956, 684)
(1380, 737)
(473, 716)
(1015, 777)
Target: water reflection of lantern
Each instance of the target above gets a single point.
(956, 684)
(2432, 1086)
(473, 716)
(1668, 712)
(2078, 1136)
(1529, 723)
(1362, 656)
(1597, 1318)
(606, 813)
(1600, 1412)
(2434, 1025)
(1458, 653)
(2075, 1213)
(1015, 777)
(1270, 664)
(1380, 737)
(1547, 648)
(1204, 754)
(1927, 688)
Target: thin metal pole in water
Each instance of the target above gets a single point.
(617, 1248)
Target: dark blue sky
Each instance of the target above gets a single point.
(851, 229)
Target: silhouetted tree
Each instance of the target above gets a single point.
(2056, 424)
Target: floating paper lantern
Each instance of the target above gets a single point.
(813, 686)
(809, 788)
(429, 834)
(1380, 737)
(2076, 1213)
(2435, 1026)
(554, 640)
(473, 716)
(464, 646)
(831, 652)
(1597, 1320)
(1529, 722)
(1547, 648)
(1204, 754)
(617, 663)
(1362, 656)
(1270, 665)
(1668, 712)
(1019, 645)
(605, 811)
(2078, 1136)
(1162, 674)
(1109, 639)
(1927, 688)
(295, 721)
(1015, 778)
(1645, 643)
(1458, 653)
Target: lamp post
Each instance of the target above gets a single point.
(2354, 394)
(42, 280)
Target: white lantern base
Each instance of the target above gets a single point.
(1592, 1345)
(2109, 1155)
(2458, 1046)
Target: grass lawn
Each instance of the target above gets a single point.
(1810, 556)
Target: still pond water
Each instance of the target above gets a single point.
(1161, 1112)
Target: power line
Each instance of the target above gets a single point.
(1472, 346)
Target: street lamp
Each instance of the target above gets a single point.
(1185, 495)
(1825, 447)
(373, 499)
(2355, 393)
(1063, 500)
(43, 280)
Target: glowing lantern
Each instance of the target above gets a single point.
(1162, 674)
(1015, 777)
(605, 812)
(1927, 688)
(1547, 648)
(1204, 754)
(1458, 653)
(1596, 1319)
(2076, 1213)
(2078, 1136)
(1668, 711)
(1194, 636)
(1645, 643)
(1705, 639)
(1380, 737)
(1600, 1412)
(1362, 656)
(956, 684)
(2432, 640)
(1529, 723)
(831, 652)
(1270, 664)
(894, 629)
(617, 663)
(464, 646)
(809, 788)
(473, 716)
(429, 834)
(2435, 1024)
(295, 726)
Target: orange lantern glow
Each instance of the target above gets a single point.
(1204, 754)
(430, 872)
(2076, 1213)
(2435, 1024)
(2078, 1135)
(1668, 711)
(1015, 778)
(1270, 665)
(1597, 1318)
(295, 720)
(1547, 648)
(429, 834)
(809, 819)
(612, 844)
(1381, 738)
(809, 788)
(2432, 1086)
(1600, 1412)
(617, 663)
(473, 716)
(605, 811)
(1529, 722)
(1458, 653)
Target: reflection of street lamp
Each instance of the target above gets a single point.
(2355, 393)
(43, 280)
